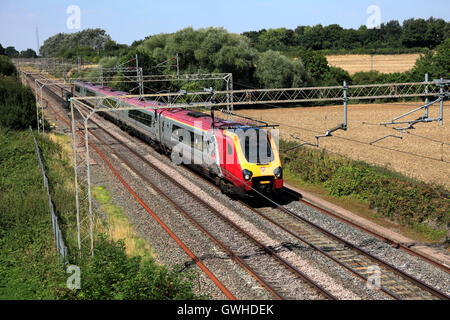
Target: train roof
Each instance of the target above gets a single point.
(183, 115)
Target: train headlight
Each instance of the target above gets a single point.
(278, 172)
(247, 174)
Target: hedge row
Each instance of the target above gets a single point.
(393, 195)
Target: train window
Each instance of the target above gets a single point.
(180, 133)
(257, 147)
(90, 93)
(198, 142)
(110, 103)
(141, 117)
(77, 89)
(229, 149)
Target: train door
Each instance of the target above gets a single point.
(210, 153)
(166, 133)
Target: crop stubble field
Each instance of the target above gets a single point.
(413, 156)
(384, 63)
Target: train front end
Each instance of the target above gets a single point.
(252, 161)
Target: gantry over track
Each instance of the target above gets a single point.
(297, 95)
(88, 106)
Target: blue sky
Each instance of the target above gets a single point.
(131, 20)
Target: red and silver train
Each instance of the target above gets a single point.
(240, 158)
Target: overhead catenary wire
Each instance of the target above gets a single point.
(349, 139)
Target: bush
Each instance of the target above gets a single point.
(111, 274)
(17, 105)
(405, 200)
(6, 66)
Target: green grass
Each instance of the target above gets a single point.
(122, 267)
(29, 265)
(119, 227)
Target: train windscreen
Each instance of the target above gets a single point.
(255, 143)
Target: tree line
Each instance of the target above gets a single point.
(263, 59)
(11, 52)
(216, 50)
(392, 37)
(87, 43)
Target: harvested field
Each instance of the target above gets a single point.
(415, 155)
(384, 63)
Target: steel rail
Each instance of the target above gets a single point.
(213, 278)
(420, 284)
(367, 254)
(294, 195)
(213, 210)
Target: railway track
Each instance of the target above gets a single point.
(269, 268)
(394, 282)
(298, 197)
(214, 279)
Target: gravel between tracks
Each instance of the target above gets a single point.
(321, 270)
(332, 277)
(405, 262)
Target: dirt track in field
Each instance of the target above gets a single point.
(415, 155)
(384, 63)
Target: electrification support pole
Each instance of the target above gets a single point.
(141, 82)
(42, 109)
(229, 88)
(79, 65)
(64, 72)
(88, 178)
(441, 102)
(345, 105)
(75, 165)
(426, 91)
(137, 67)
(178, 68)
(37, 105)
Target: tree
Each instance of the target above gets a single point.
(274, 70)
(11, 52)
(332, 36)
(392, 29)
(313, 37)
(335, 77)
(436, 64)
(29, 53)
(414, 33)
(96, 39)
(6, 67)
(204, 50)
(275, 38)
(2, 50)
(253, 36)
(435, 32)
(315, 63)
(441, 60)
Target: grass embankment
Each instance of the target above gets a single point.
(29, 265)
(420, 208)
